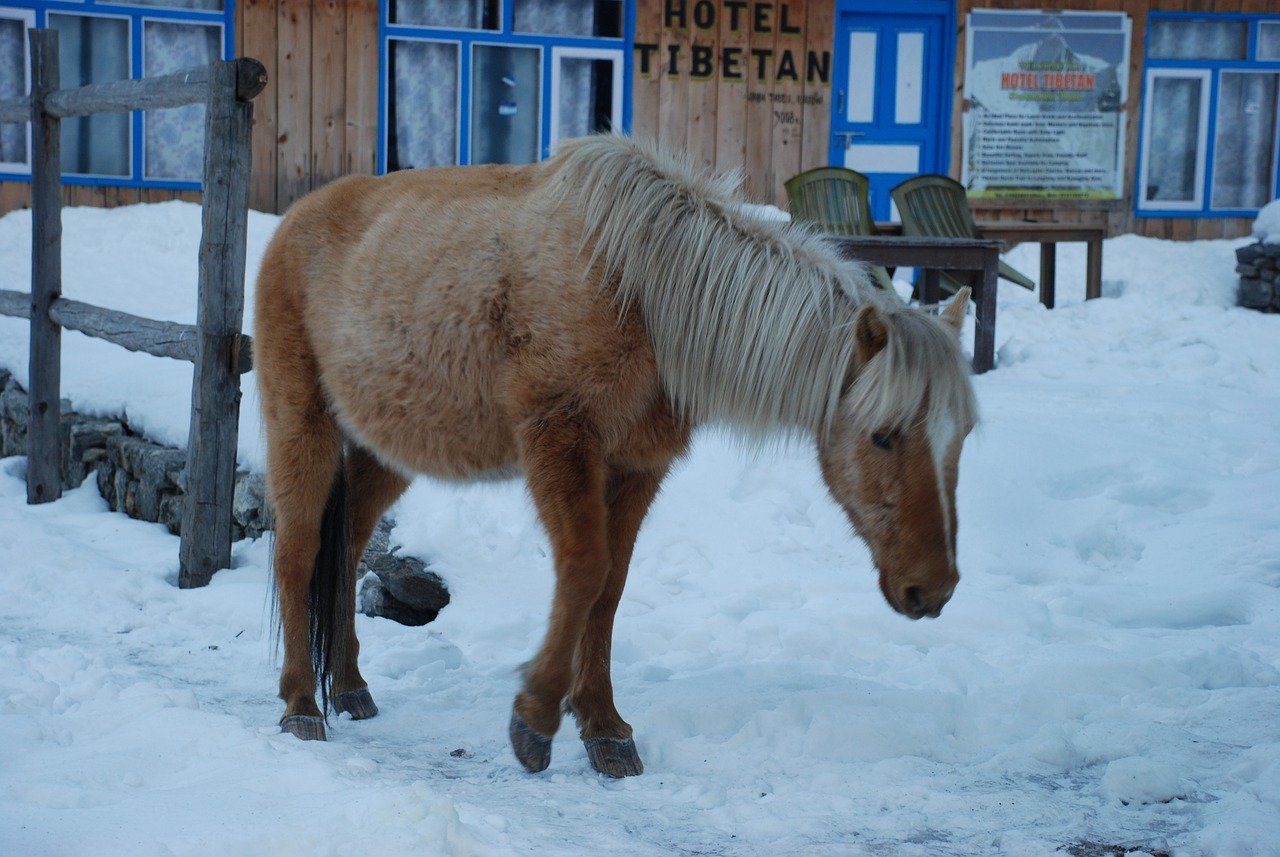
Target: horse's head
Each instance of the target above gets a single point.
(892, 453)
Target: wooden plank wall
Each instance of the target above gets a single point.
(1118, 217)
(732, 108)
(317, 119)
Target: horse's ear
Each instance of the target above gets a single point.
(953, 315)
(870, 332)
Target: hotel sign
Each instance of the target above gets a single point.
(1044, 95)
(766, 62)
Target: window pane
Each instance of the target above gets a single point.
(1244, 140)
(585, 100)
(422, 105)
(909, 93)
(174, 138)
(93, 50)
(210, 5)
(1174, 138)
(458, 14)
(13, 84)
(569, 17)
(505, 83)
(1269, 40)
(1199, 39)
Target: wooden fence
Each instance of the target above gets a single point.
(220, 352)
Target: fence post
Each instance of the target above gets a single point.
(44, 434)
(215, 388)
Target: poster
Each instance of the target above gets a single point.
(1044, 98)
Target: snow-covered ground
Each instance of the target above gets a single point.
(1108, 671)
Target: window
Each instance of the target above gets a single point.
(499, 81)
(1178, 107)
(1210, 114)
(15, 143)
(102, 41)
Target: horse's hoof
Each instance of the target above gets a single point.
(303, 726)
(533, 750)
(358, 703)
(614, 757)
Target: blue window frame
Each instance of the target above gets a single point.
(102, 41)
(498, 81)
(1209, 144)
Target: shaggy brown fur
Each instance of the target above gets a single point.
(460, 323)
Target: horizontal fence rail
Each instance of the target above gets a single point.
(214, 344)
(132, 332)
(190, 86)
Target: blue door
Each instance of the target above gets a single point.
(890, 111)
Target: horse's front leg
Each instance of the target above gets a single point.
(606, 735)
(566, 477)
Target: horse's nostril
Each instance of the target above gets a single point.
(914, 600)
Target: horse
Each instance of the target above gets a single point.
(573, 321)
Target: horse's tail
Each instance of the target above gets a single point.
(331, 599)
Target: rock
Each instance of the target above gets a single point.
(1272, 250)
(409, 581)
(170, 513)
(1247, 254)
(249, 505)
(375, 600)
(1256, 294)
(1246, 270)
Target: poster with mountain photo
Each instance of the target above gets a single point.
(1043, 97)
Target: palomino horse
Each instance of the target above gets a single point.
(573, 321)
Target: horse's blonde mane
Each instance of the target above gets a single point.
(751, 321)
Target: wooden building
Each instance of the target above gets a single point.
(769, 87)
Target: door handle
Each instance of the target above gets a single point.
(846, 137)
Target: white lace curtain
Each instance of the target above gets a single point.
(174, 138)
(13, 138)
(425, 86)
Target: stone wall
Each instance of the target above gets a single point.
(144, 480)
(1258, 267)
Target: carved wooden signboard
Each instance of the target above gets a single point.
(739, 84)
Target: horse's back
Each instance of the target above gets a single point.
(444, 306)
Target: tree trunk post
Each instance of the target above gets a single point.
(44, 433)
(215, 391)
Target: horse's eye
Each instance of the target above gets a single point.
(884, 440)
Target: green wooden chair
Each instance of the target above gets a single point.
(938, 207)
(835, 200)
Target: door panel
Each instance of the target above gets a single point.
(888, 121)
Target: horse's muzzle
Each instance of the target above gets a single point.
(916, 602)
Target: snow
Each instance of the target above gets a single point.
(1266, 228)
(1108, 671)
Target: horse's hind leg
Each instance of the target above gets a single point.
(607, 736)
(567, 479)
(304, 450)
(374, 488)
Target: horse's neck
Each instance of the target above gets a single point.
(752, 359)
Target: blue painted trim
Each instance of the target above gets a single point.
(135, 14)
(467, 39)
(1215, 69)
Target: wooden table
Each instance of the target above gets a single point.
(1049, 235)
(935, 254)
